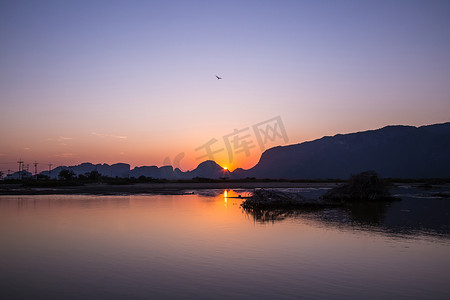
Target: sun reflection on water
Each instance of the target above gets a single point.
(230, 195)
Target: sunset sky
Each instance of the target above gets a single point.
(134, 81)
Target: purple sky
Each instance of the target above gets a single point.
(134, 81)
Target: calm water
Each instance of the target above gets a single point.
(205, 246)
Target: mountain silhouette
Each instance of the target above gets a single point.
(208, 169)
(115, 170)
(392, 151)
(164, 172)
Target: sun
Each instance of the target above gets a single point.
(225, 168)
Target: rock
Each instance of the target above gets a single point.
(262, 198)
(366, 186)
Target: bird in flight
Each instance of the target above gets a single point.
(218, 77)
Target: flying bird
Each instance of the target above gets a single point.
(218, 77)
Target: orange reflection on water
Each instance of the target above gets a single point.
(230, 195)
(155, 242)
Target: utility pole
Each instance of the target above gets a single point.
(50, 170)
(20, 162)
(35, 169)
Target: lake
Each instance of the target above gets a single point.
(205, 246)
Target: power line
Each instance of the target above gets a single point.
(35, 168)
(20, 162)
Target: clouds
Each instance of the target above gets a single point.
(65, 138)
(65, 155)
(102, 135)
(61, 140)
(148, 89)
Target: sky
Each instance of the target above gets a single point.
(135, 81)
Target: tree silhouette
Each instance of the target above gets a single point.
(94, 175)
(66, 174)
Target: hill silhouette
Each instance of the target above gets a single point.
(392, 151)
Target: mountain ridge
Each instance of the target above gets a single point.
(396, 151)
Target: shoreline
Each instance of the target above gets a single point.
(178, 188)
(152, 188)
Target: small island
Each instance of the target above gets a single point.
(360, 188)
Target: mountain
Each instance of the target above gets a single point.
(115, 170)
(19, 175)
(166, 172)
(208, 169)
(392, 151)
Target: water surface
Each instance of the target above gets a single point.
(205, 246)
